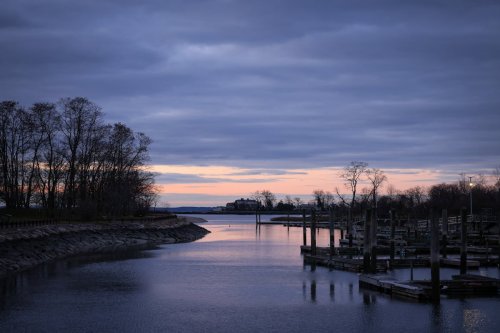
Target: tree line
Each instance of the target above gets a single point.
(63, 157)
(415, 202)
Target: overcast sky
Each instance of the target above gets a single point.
(268, 87)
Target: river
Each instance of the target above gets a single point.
(236, 279)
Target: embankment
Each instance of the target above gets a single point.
(24, 248)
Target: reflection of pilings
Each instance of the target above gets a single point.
(304, 288)
(463, 245)
(366, 242)
(313, 290)
(304, 230)
(435, 257)
(436, 319)
(332, 291)
(313, 233)
(369, 298)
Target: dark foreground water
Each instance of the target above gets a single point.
(237, 279)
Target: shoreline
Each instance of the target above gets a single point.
(24, 248)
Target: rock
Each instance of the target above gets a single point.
(24, 248)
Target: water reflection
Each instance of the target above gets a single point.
(239, 278)
(436, 318)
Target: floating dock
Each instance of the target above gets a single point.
(460, 285)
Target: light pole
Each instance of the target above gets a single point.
(470, 193)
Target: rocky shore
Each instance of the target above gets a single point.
(24, 248)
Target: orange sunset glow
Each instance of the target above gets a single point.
(223, 181)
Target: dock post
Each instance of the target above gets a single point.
(393, 233)
(349, 227)
(366, 242)
(481, 230)
(435, 258)
(313, 232)
(444, 224)
(373, 241)
(304, 228)
(415, 228)
(256, 217)
(463, 245)
(498, 227)
(332, 234)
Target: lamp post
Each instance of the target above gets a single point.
(470, 193)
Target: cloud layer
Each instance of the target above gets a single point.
(272, 85)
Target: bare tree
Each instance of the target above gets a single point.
(496, 177)
(376, 178)
(319, 199)
(298, 202)
(329, 199)
(14, 146)
(351, 175)
(323, 199)
(79, 119)
(257, 196)
(392, 191)
(416, 195)
(269, 199)
(66, 157)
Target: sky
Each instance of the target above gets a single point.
(240, 96)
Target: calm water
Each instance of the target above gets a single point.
(237, 279)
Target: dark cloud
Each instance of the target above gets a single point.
(180, 178)
(272, 84)
(273, 172)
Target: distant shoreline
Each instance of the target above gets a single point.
(24, 248)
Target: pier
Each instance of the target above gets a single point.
(377, 247)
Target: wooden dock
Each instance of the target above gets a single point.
(455, 262)
(343, 264)
(460, 285)
(389, 285)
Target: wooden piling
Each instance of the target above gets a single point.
(313, 232)
(393, 233)
(332, 234)
(463, 245)
(498, 228)
(373, 241)
(349, 227)
(444, 224)
(366, 242)
(481, 229)
(435, 281)
(304, 228)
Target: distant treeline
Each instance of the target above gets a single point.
(63, 157)
(480, 193)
